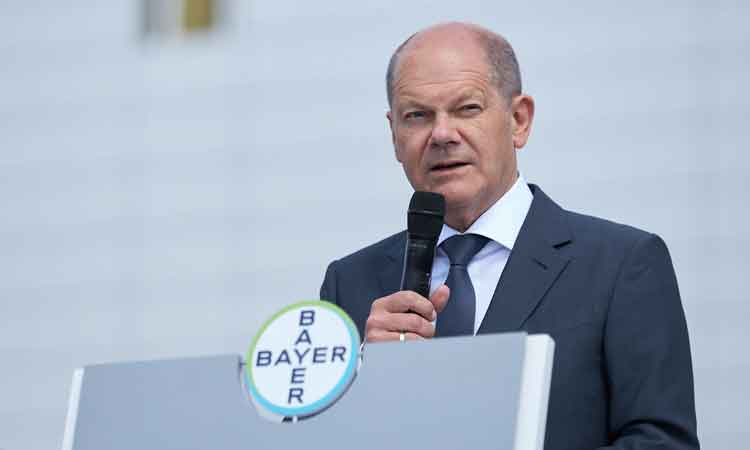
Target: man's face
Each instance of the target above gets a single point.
(452, 129)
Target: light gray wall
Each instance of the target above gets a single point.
(163, 198)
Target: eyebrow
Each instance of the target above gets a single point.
(409, 103)
(469, 93)
(463, 95)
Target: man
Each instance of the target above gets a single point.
(515, 260)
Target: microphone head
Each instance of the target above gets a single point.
(426, 214)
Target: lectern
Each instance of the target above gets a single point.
(483, 392)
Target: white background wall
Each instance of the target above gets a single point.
(161, 199)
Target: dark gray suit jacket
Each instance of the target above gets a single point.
(607, 295)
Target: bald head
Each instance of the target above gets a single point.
(501, 60)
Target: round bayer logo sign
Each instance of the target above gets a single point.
(302, 360)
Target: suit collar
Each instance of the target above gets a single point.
(546, 220)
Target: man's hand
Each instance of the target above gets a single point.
(405, 312)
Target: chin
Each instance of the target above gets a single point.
(456, 197)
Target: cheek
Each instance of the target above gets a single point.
(492, 139)
(409, 147)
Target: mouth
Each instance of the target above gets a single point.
(448, 166)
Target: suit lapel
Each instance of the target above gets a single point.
(533, 267)
(389, 274)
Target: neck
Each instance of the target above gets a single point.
(461, 217)
(461, 221)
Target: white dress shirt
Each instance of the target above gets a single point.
(501, 224)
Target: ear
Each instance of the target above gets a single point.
(522, 110)
(389, 116)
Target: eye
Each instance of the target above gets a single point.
(471, 108)
(414, 115)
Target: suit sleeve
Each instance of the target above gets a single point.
(647, 355)
(328, 289)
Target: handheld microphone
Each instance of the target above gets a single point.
(425, 220)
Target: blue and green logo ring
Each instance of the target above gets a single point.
(340, 387)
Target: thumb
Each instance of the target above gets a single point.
(439, 298)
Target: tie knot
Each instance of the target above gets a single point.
(462, 247)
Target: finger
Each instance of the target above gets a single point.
(413, 337)
(378, 335)
(404, 301)
(406, 322)
(440, 297)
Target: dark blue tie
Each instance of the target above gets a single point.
(458, 316)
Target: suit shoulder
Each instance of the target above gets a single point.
(589, 232)
(371, 253)
(595, 230)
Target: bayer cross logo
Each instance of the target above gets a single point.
(302, 360)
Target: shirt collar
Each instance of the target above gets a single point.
(502, 221)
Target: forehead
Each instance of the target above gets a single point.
(430, 64)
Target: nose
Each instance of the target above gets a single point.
(444, 132)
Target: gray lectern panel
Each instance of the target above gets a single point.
(191, 403)
(460, 393)
(439, 394)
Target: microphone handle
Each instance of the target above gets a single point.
(418, 258)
